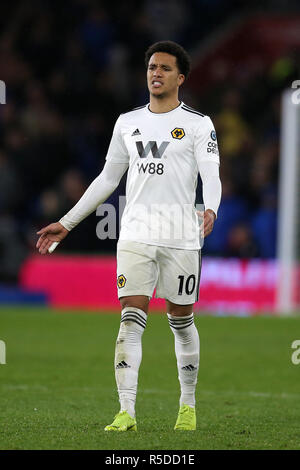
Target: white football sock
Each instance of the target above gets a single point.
(128, 356)
(187, 349)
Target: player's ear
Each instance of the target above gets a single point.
(180, 79)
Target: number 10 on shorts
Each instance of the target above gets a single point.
(187, 284)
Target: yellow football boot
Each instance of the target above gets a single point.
(122, 422)
(186, 420)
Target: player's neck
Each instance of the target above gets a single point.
(163, 105)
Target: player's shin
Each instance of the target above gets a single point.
(128, 356)
(187, 350)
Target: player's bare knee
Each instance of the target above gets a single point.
(137, 301)
(179, 310)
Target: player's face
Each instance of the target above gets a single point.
(163, 76)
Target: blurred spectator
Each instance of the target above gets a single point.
(231, 125)
(10, 187)
(263, 171)
(264, 223)
(12, 249)
(168, 19)
(97, 34)
(72, 187)
(240, 243)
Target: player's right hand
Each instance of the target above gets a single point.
(52, 233)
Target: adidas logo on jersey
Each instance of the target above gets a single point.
(136, 132)
(189, 367)
(122, 365)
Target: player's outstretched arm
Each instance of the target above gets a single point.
(98, 191)
(49, 235)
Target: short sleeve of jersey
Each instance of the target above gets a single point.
(205, 142)
(117, 151)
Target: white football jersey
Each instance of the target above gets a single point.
(163, 152)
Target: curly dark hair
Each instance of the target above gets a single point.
(182, 58)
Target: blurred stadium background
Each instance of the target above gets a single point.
(71, 68)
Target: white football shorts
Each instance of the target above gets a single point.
(174, 273)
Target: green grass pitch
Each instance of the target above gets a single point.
(57, 388)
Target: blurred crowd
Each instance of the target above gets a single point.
(71, 68)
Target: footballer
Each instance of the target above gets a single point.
(163, 145)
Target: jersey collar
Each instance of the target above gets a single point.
(167, 112)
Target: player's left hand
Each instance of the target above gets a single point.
(209, 220)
